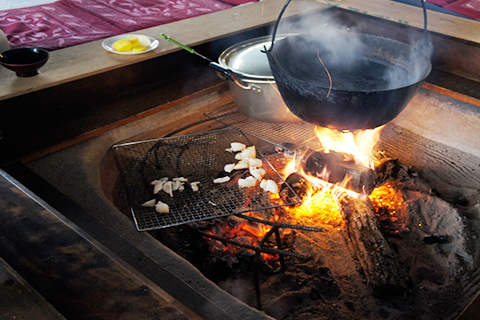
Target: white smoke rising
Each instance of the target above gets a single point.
(343, 45)
(330, 36)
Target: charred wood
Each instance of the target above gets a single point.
(386, 170)
(333, 168)
(301, 186)
(435, 238)
(375, 256)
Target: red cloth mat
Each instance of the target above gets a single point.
(52, 26)
(67, 23)
(132, 15)
(469, 8)
(439, 3)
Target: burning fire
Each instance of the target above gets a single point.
(320, 205)
(359, 144)
(384, 197)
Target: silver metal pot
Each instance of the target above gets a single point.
(253, 88)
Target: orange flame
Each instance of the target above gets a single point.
(359, 144)
(320, 207)
(318, 183)
(320, 204)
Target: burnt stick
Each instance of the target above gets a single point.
(375, 256)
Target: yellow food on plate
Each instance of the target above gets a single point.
(134, 40)
(132, 43)
(139, 48)
(122, 45)
(144, 40)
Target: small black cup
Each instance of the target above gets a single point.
(24, 61)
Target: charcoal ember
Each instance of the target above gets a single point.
(435, 238)
(301, 186)
(388, 226)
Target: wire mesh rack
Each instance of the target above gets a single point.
(199, 158)
(295, 133)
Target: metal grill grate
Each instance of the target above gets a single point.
(197, 157)
(297, 133)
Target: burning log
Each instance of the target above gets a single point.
(333, 168)
(301, 186)
(365, 240)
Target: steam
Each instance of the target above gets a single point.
(343, 47)
(336, 43)
(414, 65)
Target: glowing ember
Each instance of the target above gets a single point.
(256, 230)
(241, 231)
(385, 197)
(320, 207)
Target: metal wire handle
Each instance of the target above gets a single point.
(424, 7)
(276, 26)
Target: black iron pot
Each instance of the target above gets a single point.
(364, 93)
(332, 88)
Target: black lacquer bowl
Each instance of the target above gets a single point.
(24, 61)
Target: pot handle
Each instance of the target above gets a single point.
(225, 72)
(423, 45)
(230, 75)
(276, 26)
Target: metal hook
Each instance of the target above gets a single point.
(276, 26)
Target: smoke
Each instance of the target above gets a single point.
(338, 43)
(356, 61)
(412, 64)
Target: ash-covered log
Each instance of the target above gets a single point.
(333, 168)
(386, 170)
(375, 256)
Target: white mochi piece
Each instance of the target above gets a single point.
(221, 180)
(162, 207)
(237, 146)
(248, 182)
(149, 203)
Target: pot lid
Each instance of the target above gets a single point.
(246, 58)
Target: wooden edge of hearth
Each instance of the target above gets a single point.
(438, 22)
(77, 62)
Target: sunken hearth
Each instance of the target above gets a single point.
(396, 248)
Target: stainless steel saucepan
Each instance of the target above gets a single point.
(250, 80)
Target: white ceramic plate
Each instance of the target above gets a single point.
(107, 44)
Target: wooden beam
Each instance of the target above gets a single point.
(438, 22)
(20, 300)
(452, 94)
